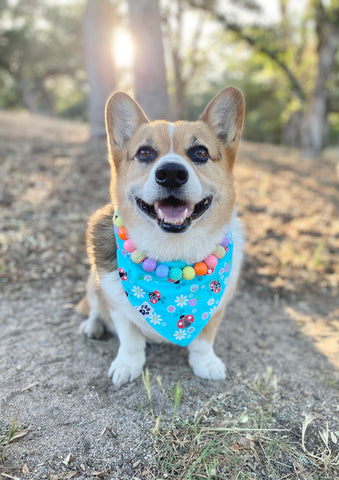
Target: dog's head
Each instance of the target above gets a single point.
(173, 182)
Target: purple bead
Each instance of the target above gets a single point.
(224, 241)
(149, 264)
(162, 271)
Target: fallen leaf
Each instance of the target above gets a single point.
(19, 434)
(6, 475)
(25, 469)
(29, 387)
(69, 459)
(63, 476)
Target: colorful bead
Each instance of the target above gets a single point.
(211, 261)
(225, 241)
(188, 273)
(175, 274)
(137, 256)
(149, 264)
(118, 222)
(162, 271)
(219, 252)
(129, 246)
(200, 268)
(122, 233)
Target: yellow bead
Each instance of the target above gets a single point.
(219, 252)
(137, 256)
(118, 222)
(188, 273)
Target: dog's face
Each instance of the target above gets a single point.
(173, 182)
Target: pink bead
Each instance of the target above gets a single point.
(211, 261)
(129, 246)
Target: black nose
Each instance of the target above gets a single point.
(171, 175)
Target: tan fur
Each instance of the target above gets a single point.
(82, 307)
(219, 130)
(101, 246)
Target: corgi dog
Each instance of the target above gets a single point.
(166, 253)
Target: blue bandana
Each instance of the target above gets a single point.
(178, 311)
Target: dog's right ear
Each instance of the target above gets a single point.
(123, 117)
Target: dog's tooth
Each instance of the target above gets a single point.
(160, 214)
(185, 215)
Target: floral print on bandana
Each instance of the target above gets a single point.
(178, 311)
(138, 292)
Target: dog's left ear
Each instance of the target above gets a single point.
(123, 117)
(225, 114)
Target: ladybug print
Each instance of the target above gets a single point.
(122, 274)
(154, 297)
(185, 321)
(215, 286)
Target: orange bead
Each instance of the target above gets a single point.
(122, 233)
(200, 268)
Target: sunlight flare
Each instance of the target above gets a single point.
(123, 48)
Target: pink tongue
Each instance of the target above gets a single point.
(175, 212)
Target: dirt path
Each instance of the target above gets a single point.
(280, 337)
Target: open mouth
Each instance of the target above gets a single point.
(174, 215)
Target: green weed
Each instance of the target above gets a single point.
(6, 437)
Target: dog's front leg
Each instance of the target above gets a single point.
(201, 356)
(129, 362)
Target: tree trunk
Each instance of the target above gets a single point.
(315, 126)
(149, 62)
(98, 29)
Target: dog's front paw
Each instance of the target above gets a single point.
(207, 366)
(126, 368)
(93, 327)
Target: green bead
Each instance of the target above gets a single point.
(188, 273)
(175, 274)
(118, 222)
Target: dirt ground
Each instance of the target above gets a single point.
(279, 339)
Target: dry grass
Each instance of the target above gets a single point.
(214, 445)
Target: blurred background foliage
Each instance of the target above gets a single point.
(57, 58)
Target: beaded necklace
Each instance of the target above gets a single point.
(161, 270)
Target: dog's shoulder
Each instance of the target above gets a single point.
(100, 239)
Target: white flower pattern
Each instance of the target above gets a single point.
(181, 300)
(155, 318)
(179, 335)
(138, 291)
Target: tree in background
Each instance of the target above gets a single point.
(289, 75)
(149, 64)
(315, 125)
(36, 40)
(186, 58)
(98, 30)
(307, 56)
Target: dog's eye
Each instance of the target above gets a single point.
(146, 154)
(198, 154)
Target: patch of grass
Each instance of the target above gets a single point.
(147, 384)
(266, 385)
(7, 435)
(211, 445)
